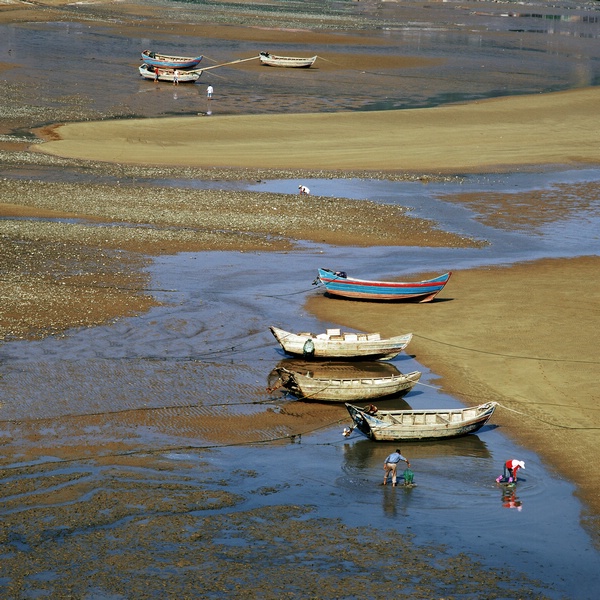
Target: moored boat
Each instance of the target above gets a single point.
(272, 60)
(337, 283)
(150, 72)
(335, 343)
(170, 62)
(419, 425)
(343, 387)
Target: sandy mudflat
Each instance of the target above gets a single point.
(499, 334)
(498, 134)
(542, 365)
(508, 335)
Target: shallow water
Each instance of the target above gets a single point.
(173, 378)
(89, 69)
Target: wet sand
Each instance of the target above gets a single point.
(109, 242)
(451, 334)
(509, 335)
(504, 133)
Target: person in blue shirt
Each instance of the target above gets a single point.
(390, 465)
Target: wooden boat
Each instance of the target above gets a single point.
(419, 425)
(337, 283)
(338, 344)
(271, 60)
(335, 369)
(169, 62)
(149, 72)
(343, 388)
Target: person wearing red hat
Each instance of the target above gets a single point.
(510, 469)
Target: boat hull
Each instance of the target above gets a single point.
(420, 425)
(168, 75)
(338, 284)
(344, 389)
(271, 60)
(170, 62)
(336, 344)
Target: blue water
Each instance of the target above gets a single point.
(456, 501)
(172, 355)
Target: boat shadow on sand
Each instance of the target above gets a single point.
(372, 301)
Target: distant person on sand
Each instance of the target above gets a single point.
(511, 467)
(390, 465)
(156, 74)
(303, 190)
(175, 77)
(209, 92)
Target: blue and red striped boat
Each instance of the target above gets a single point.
(164, 61)
(337, 283)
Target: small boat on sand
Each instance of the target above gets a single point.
(342, 387)
(337, 283)
(272, 60)
(170, 62)
(150, 72)
(419, 425)
(335, 343)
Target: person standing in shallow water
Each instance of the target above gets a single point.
(510, 469)
(390, 465)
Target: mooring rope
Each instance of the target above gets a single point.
(151, 450)
(504, 355)
(553, 424)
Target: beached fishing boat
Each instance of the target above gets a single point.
(338, 344)
(271, 60)
(337, 283)
(342, 387)
(335, 369)
(170, 62)
(419, 425)
(149, 72)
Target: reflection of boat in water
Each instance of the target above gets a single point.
(424, 424)
(364, 454)
(339, 382)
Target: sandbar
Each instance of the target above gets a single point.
(500, 134)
